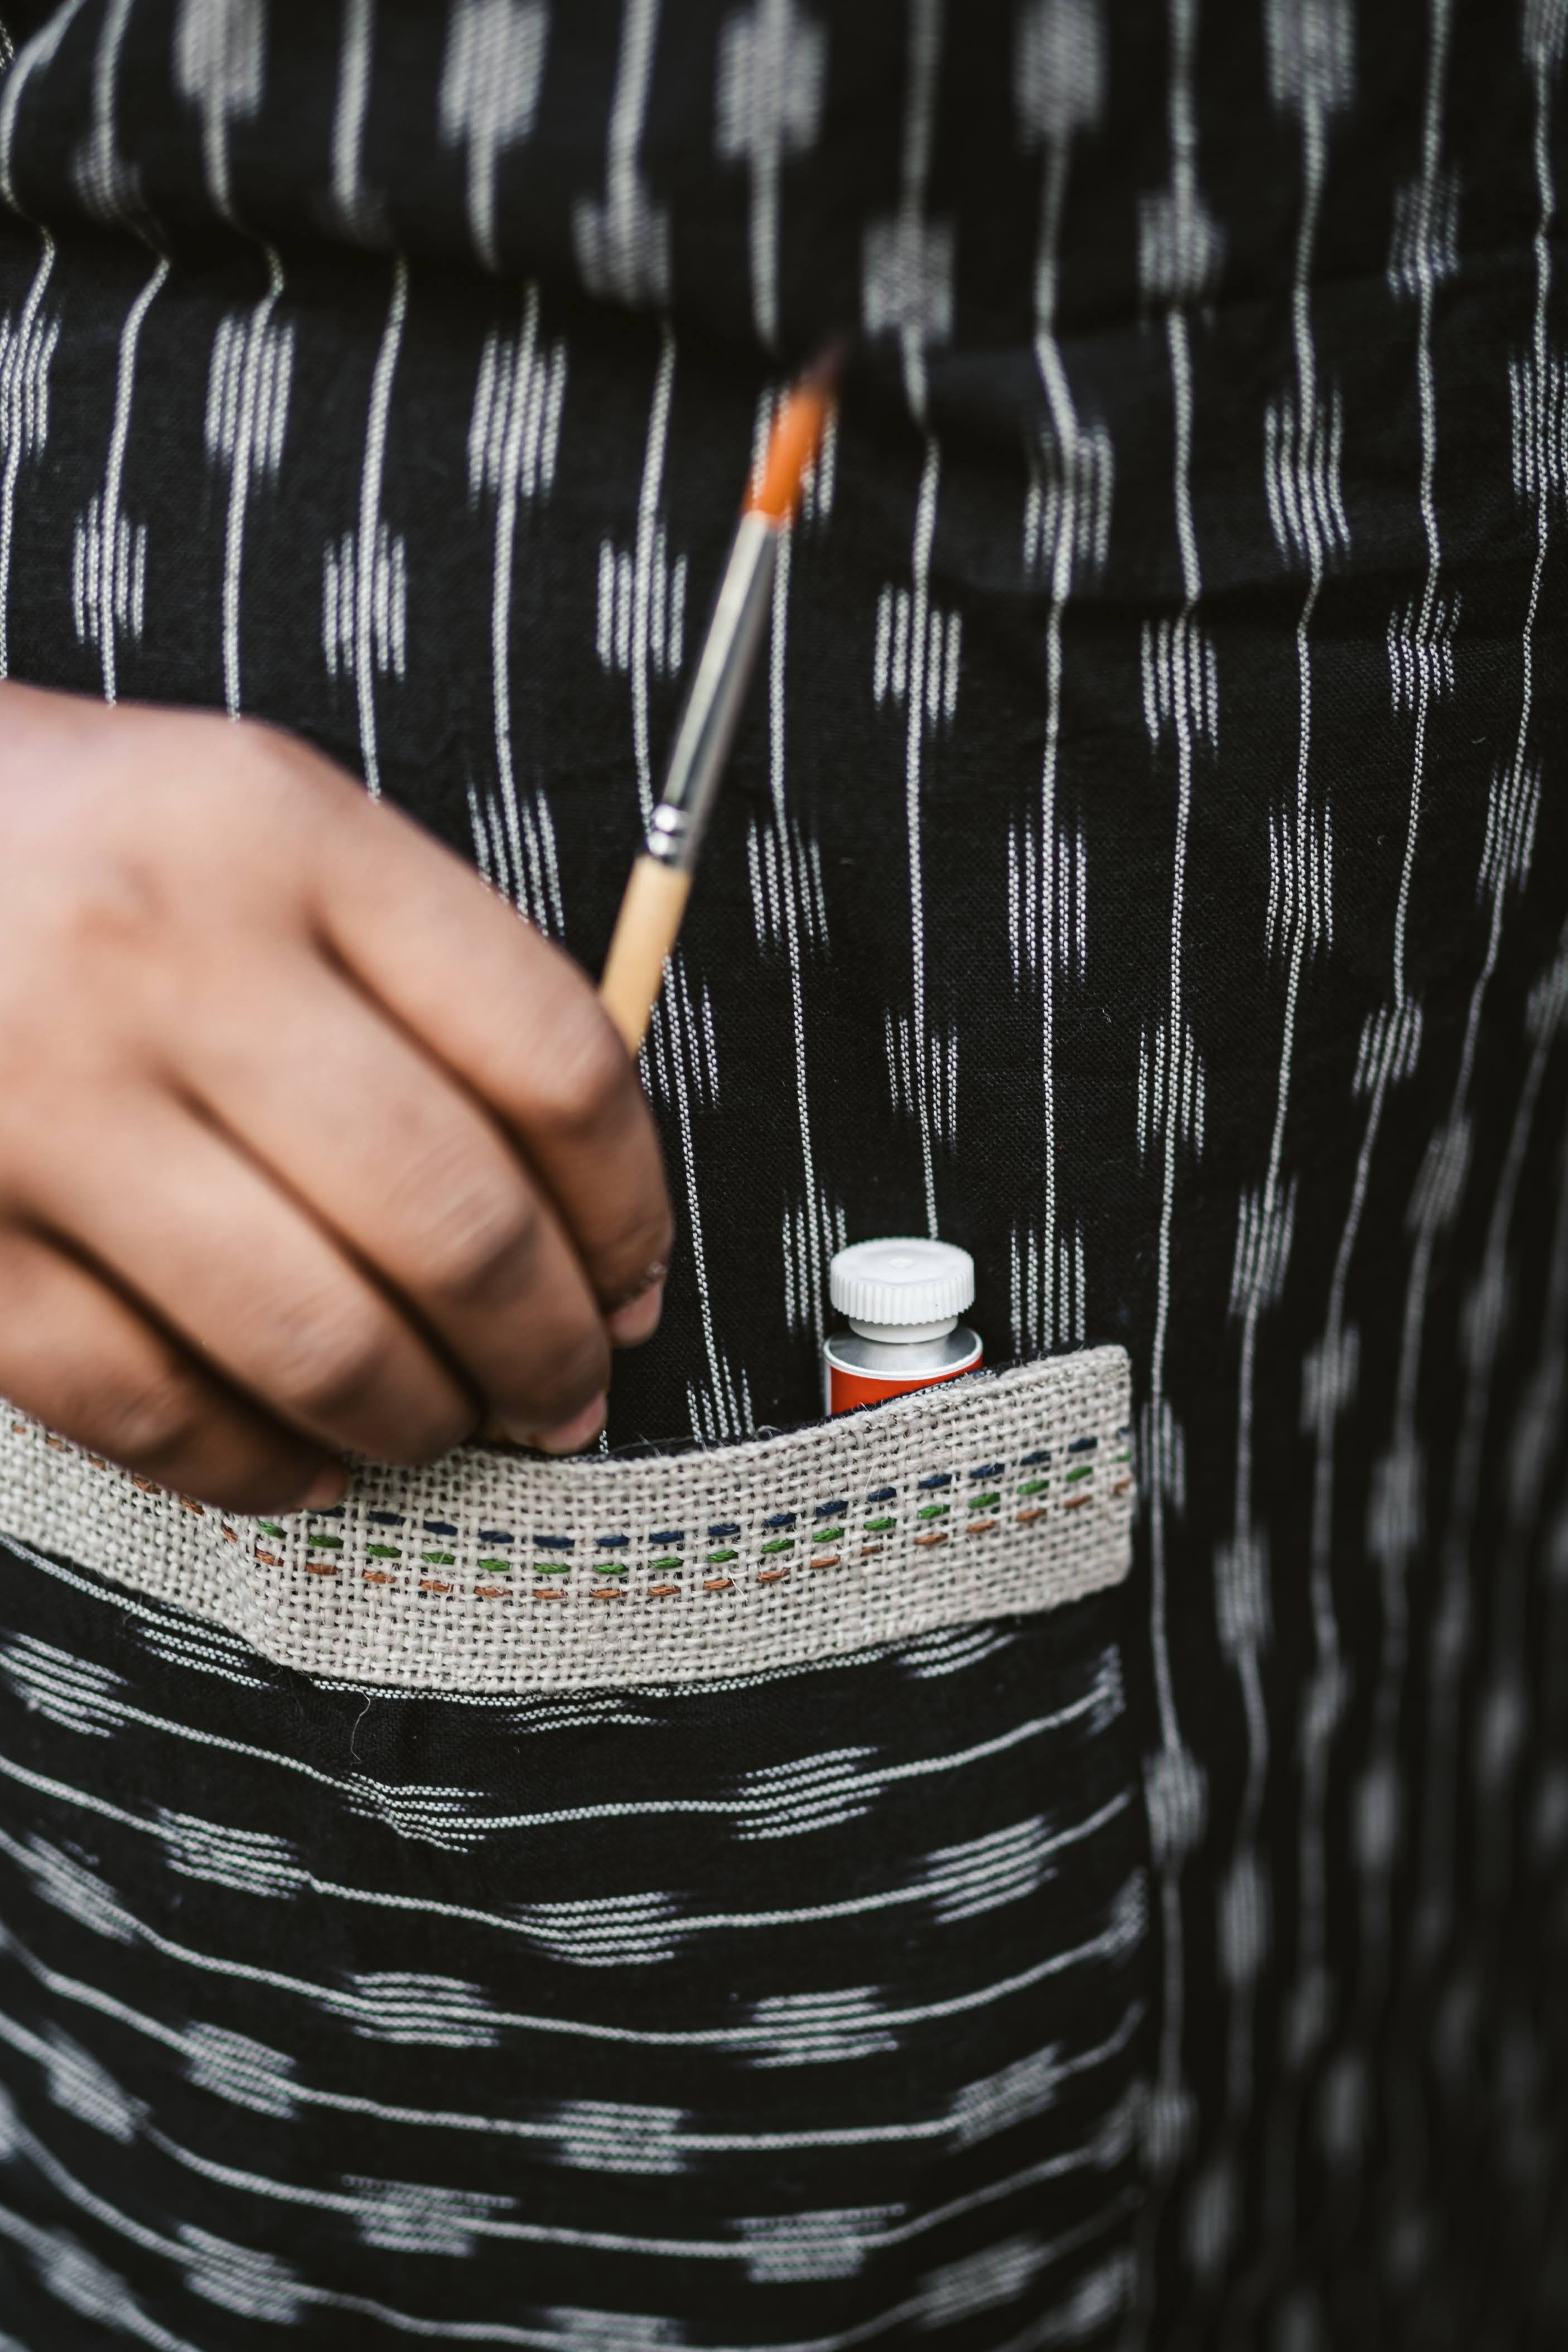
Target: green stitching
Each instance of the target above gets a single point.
(674, 1563)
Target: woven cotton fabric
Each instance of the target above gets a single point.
(1145, 860)
(805, 2010)
(990, 1498)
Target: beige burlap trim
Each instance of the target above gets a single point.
(495, 1571)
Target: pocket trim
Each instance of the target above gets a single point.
(1001, 1494)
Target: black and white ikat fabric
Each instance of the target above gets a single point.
(698, 2015)
(1146, 863)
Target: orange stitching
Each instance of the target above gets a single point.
(665, 1591)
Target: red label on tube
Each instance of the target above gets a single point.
(846, 1389)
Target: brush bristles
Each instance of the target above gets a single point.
(793, 443)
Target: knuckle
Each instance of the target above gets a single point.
(271, 791)
(264, 759)
(586, 1078)
(327, 1357)
(109, 915)
(345, 1366)
(482, 1248)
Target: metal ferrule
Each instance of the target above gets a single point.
(712, 707)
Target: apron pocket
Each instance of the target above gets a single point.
(995, 1496)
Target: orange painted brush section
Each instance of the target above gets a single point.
(791, 446)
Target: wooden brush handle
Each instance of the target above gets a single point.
(646, 929)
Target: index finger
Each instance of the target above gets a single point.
(511, 1015)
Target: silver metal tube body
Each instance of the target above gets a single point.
(712, 707)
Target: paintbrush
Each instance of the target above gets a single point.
(650, 919)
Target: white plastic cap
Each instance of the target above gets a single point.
(894, 1284)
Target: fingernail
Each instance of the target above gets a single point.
(638, 1319)
(329, 1486)
(576, 1432)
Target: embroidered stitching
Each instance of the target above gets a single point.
(500, 1570)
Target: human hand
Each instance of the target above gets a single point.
(307, 1143)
